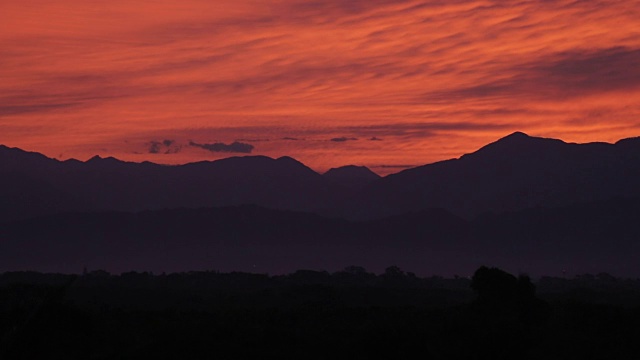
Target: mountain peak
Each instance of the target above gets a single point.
(632, 141)
(351, 176)
(289, 162)
(517, 142)
(14, 149)
(289, 159)
(95, 158)
(19, 156)
(517, 135)
(100, 160)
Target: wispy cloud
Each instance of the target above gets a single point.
(432, 78)
(234, 147)
(558, 76)
(163, 147)
(343, 139)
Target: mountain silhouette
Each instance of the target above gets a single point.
(589, 237)
(32, 184)
(521, 203)
(514, 173)
(351, 176)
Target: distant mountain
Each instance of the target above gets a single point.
(245, 238)
(590, 237)
(513, 173)
(32, 184)
(351, 176)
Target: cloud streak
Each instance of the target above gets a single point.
(163, 147)
(343, 139)
(234, 147)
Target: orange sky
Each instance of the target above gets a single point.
(316, 80)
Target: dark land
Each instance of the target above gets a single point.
(525, 204)
(226, 239)
(350, 314)
(585, 238)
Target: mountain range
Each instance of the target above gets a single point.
(523, 203)
(513, 173)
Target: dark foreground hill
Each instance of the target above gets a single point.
(593, 237)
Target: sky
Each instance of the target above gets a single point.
(387, 84)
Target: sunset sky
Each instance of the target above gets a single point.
(379, 83)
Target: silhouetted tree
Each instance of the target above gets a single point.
(393, 272)
(505, 309)
(494, 285)
(355, 270)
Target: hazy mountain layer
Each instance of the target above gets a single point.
(594, 237)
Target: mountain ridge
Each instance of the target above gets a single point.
(515, 172)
